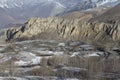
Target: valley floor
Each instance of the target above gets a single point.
(56, 60)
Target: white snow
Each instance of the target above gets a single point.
(21, 3)
(91, 55)
(99, 3)
(75, 54)
(27, 59)
(47, 52)
(51, 52)
(71, 79)
(34, 61)
(94, 54)
(59, 4)
(21, 63)
(37, 60)
(31, 59)
(61, 44)
(84, 46)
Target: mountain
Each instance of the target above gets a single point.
(56, 28)
(17, 11)
(89, 4)
(62, 47)
(105, 2)
(70, 26)
(112, 15)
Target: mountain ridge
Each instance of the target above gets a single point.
(63, 28)
(112, 15)
(18, 11)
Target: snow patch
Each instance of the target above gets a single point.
(61, 44)
(28, 59)
(51, 52)
(94, 54)
(75, 54)
(103, 2)
(34, 61)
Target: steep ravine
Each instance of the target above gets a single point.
(65, 29)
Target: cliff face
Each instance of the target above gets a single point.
(45, 28)
(65, 29)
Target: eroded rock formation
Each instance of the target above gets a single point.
(65, 29)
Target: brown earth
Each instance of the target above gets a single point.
(71, 26)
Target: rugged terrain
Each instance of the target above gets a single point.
(14, 12)
(73, 46)
(71, 26)
(110, 16)
(57, 60)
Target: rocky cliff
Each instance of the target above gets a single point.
(71, 26)
(65, 29)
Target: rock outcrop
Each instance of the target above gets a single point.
(71, 26)
(65, 29)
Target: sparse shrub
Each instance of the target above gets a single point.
(58, 60)
(93, 66)
(81, 74)
(42, 71)
(76, 62)
(44, 62)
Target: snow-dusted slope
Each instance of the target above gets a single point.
(22, 3)
(89, 4)
(17, 11)
(63, 3)
(18, 3)
(105, 2)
